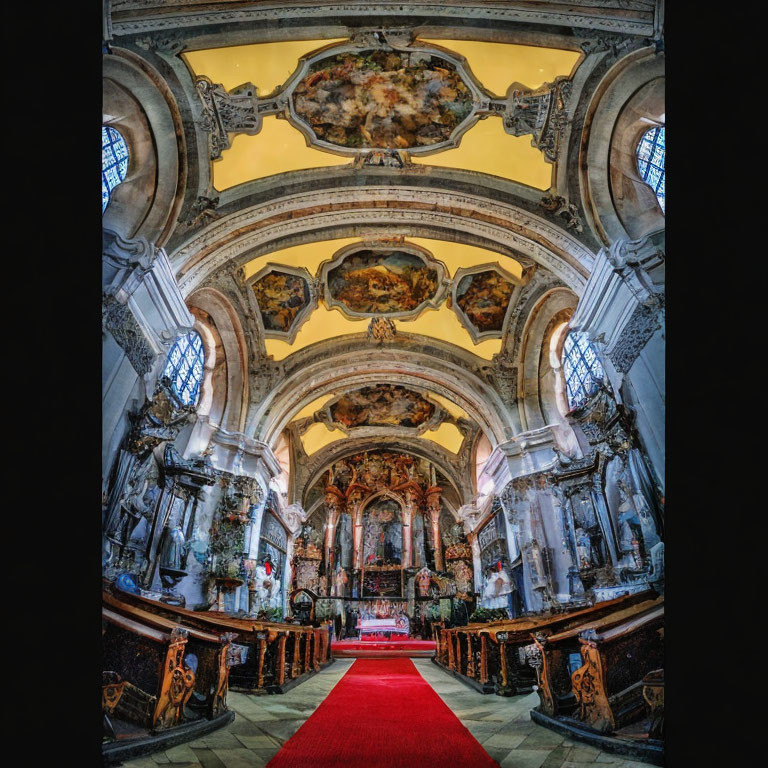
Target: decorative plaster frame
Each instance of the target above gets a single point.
(365, 43)
(429, 260)
(461, 273)
(301, 317)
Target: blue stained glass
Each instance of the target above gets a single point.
(114, 162)
(184, 367)
(581, 367)
(651, 159)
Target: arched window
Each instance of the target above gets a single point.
(651, 153)
(114, 162)
(185, 367)
(581, 367)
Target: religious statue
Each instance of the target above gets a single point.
(266, 584)
(583, 549)
(498, 585)
(340, 580)
(423, 579)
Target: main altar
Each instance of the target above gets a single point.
(383, 548)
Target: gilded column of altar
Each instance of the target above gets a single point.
(412, 501)
(334, 506)
(433, 508)
(355, 507)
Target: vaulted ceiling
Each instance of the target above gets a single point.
(380, 210)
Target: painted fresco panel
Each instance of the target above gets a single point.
(281, 296)
(383, 99)
(382, 405)
(382, 282)
(484, 298)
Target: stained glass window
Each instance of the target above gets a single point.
(651, 154)
(114, 162)
(582, 368)
(185, 367)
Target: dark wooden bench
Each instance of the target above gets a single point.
(209, 649)
(609, 686)
(145, 679)
(497, 656)
(561, 656)
(277, 655)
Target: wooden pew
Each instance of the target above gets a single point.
(501, 662)
(211, 651)
(276, 657)
(561, 656)
(653, 693)
(146, 681)
(609, 686)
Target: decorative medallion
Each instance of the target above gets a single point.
(385, 280)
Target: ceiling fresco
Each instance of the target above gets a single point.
(371, 96)
(384, 293)
(484, 299)
(375, 281)
(383, 99)
(281, 297)
(382, 405)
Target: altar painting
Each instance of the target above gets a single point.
(382, 282)
(281, 296)
(382, 533)
(383, 99)
(382, 405)
(484, 298)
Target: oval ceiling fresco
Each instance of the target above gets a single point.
(374, 281)
(382, 405)
(383, 99)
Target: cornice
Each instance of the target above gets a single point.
(141, 16)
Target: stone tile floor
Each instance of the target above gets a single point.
(502, 725)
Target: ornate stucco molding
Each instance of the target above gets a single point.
(142, 306)
(623, 303)
(140, 16)
(118, 319)
(239, 237)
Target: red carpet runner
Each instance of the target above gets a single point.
(382, 714)
(382, 649)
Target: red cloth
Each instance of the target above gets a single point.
(382, 714)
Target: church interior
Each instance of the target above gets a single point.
(383, 383)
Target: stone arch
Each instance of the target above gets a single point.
(633, 83)
(327, 367)
(235, 239)
(226, 322)
(138, 102)
(537, 402)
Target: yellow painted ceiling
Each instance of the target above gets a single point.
(486, 148)
(266, 65)
(313, 407)
(279, 147)
(441, 323)
(319, 435)
(498, 65)
(455, 410)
